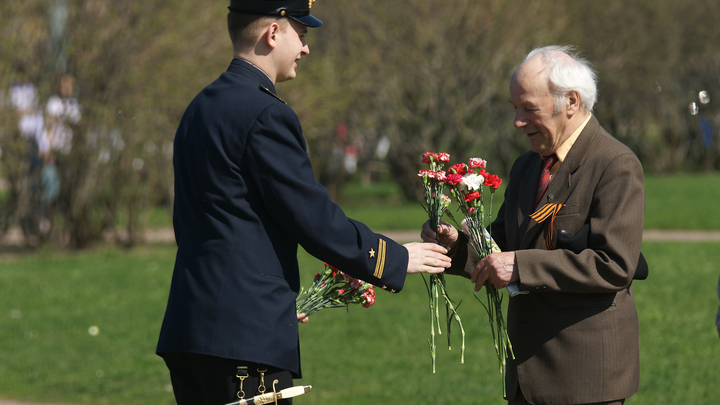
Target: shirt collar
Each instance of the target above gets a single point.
(255, 66)
(564, 149)
(239, 65)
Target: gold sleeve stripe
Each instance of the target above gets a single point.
(380, 264)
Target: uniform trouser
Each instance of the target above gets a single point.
(207, 380)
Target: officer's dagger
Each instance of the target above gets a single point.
(272, 396)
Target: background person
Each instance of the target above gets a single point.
(245, 197)
(31, 122)
(574, 329)
(61, 110)
(24, 99)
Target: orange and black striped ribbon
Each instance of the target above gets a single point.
(548, 210)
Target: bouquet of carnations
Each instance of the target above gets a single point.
(436, 203)
(466, 182)
(334, 289)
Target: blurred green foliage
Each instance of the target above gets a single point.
(421, 74)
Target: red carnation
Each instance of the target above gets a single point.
(493, 181)
(477, 162)
(454, 178)
(428, 157)
(443, 157)
(472, 196)
(460, 168)
(369, 300)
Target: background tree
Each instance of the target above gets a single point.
(423, 74)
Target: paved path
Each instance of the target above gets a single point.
(14, 236)
(166, 235)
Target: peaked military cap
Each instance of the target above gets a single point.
(298, 10)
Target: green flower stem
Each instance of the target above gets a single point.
(437, 283)
(498, 328)
(483, 245)
(433, 303)
(452, 314)
(436, 289)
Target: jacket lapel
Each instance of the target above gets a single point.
(526, 200)
(562, 184)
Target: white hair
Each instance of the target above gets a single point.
(566, 74)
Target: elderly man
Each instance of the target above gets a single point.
(573, 325)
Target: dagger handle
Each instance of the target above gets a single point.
(262, 399)
(257, 400)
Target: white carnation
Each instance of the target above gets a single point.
(472, 181)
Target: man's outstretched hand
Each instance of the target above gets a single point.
(426, 258)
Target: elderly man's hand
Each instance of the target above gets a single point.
(448, 235)
(426, 258)
(500, 269)
(302, 318)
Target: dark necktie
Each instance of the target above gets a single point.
(545, 177)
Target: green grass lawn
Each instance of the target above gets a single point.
(683, 201)
(50, 300)
(48, 303)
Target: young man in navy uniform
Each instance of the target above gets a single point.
(245, 197)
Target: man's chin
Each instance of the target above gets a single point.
(539, 149)
(287, 77)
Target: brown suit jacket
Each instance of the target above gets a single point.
(575, 335)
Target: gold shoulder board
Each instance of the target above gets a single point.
(266, 90)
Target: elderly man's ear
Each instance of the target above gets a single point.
(572, 102)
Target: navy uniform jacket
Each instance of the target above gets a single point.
(245, 197)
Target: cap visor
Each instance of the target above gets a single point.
(307, 20)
